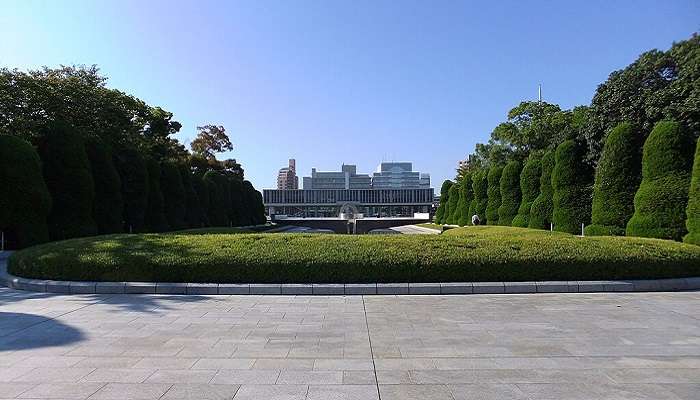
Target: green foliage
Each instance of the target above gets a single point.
(453, 199)
(25, 201)
(444, 196)
(155, 212)
(254, 207)
(571, 188)
(109, 205)
(193, 209)
(658, 85)
(510, 193)
(202, 188)
(133, 173)
(480, 186)
(173, 195)
(616, 181)
(660, 202)
(69, 180)
(238, 213)
(693, 210)
(529, 189)
(472, 254)
(466, 195)
(218, 198)
(542, 207)
(494, 195)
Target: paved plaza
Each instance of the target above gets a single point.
(543, 346)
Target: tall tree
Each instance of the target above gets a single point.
(444, 196)
(453, 199)
(494, 195)
(174, 195)
(510, 193)
(465, 198)
(542, 207)
(529, 189)
(155, 212)
(571, 188)
(133, 173)
(211, 139)
(109, 205)
(193, 208)
(692, 212)
(480, 186)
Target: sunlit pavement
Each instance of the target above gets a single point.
(542, 346)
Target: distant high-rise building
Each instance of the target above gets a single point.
(287, 177)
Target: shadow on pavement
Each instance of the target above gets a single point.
(19, 331)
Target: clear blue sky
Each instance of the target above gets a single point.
(358, 82)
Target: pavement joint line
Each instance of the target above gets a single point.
(371, 351)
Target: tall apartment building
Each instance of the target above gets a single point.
(287, 176)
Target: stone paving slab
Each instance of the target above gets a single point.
(617, 345)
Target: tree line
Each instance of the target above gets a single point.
(80, 159)
(627, 164)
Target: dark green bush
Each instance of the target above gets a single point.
(473, 254)
(693, 210)
(109, 205)
(202, 188)
(69, 180)
(133, 173)
(238, 209)
(25, 201)
(542, 207)
(155, 212)
(466, 195)
(218, 198)
(510, 193)
(616, 181)
(480, 187)
(444, 196)
(529, 189)
(660, 201)
(572, 190)
(253, 207)
(494, 195)
(173, 195)
(193, 210)
(452, 204)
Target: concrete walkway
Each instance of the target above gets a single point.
(544, 346)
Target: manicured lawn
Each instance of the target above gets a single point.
(431, 226)
(483, 253)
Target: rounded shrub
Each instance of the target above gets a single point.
(466, 195)
(541, 211)
(201, 187)
(693, 210)
(68, 177)
(155, 212)
(571, 185)
(494, 195)
(444, 196)
(238, 206)
(193, 210)
(452, 204)
(510, 193)
(218, 186)
(529, 190)
(480, 186)
(109, 205)
(173, 195)
(661, 200)
(616, 181)
(25, 201)
(133, 174)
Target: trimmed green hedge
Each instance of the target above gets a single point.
(572, 192)
(662, 197)
(25, 201)
(510, 193)
(444, 196)
(155, 212)
(494, 195)
(134, 177)
(616, 182)
(529, 189)
(193, 208)
(480, 253)
(480, 186)
(69, 179)
(201, 186)
(693, 210)
(219, 198)
(173, 195)
(109, 205)
(452, 201)
(465, 198)
(542, 207)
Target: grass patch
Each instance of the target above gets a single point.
(431, 226)
(483, 253)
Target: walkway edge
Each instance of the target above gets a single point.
(74, 287)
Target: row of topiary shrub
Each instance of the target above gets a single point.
(71, 187)
(636, 193)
